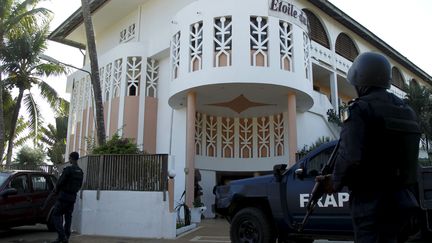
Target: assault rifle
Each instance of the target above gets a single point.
(318, 189)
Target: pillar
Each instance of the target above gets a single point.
(190, 148)
(292, 129)
(334, 91)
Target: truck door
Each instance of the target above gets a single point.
(332, 211)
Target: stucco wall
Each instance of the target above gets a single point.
(124, 214)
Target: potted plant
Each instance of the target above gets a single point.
(197, 210)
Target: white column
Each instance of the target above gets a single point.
(334, 91)
(123, 86)
(141, 111)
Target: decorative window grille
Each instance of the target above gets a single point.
(286, 45)
(175, 55)
(107, 81)
(228, 137)
(245, 138)
(195, 47)
(259, 41)
(127, 34)
(152, 77)
(117, 74)
(222, 41)
(89, 91)
(306, 47)
(198, 133)
(278, 125)
(263, 136)
(74, 97)
(211, 136)
(80, 98)
(133, 75)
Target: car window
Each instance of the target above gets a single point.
(40, 183)
(21, 184)
(3, 178)
(317, 162)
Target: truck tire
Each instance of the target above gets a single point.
(250, 225)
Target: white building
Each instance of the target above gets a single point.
(227, 87)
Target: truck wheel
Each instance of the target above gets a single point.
(250, 225)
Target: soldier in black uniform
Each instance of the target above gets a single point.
(377, 158)
(68, 185)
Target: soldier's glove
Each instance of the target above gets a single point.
(326, 183)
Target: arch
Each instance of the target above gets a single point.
(316, 28)
(397, 78)
(345, 47)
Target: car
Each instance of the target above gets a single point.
(26, 198)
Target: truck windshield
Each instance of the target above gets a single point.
(3, 177)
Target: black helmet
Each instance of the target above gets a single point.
(370, 69)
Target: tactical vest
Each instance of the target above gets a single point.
(390, 153)
(75, 179)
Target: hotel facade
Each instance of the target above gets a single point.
(229, 88)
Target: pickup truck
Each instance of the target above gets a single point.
(265, 208)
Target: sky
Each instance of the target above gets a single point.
(401, 24)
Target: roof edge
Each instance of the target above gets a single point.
(341, 17)
(71, 23)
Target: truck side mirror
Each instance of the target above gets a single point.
(299, 173)
(9, 191)
(278, 171)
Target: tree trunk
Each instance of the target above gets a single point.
(13, 126)
(95, 80)
(2, 128)
(2, 131)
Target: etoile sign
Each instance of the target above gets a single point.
(283, 9)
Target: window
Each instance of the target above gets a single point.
(222, 41)
(345, 47)
(20, 183)
(316, 163)
(397, 79)
(40, 183)
(259, 41)
(317, 31)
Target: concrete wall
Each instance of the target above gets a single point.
(124, 214)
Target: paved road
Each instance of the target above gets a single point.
(209, 231)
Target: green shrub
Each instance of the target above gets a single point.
(117, 145)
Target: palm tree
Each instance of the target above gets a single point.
(95, 80)
(54, 137)
(14, 14)
(419, 98)
(21, 136)
(24, 70)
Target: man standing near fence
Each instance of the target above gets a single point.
(67, 187)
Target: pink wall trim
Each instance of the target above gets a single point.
(150, 125)
(114, 116)
(130, 120)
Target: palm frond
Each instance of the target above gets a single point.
(48, 69)
(50, 94)
(35, 118)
